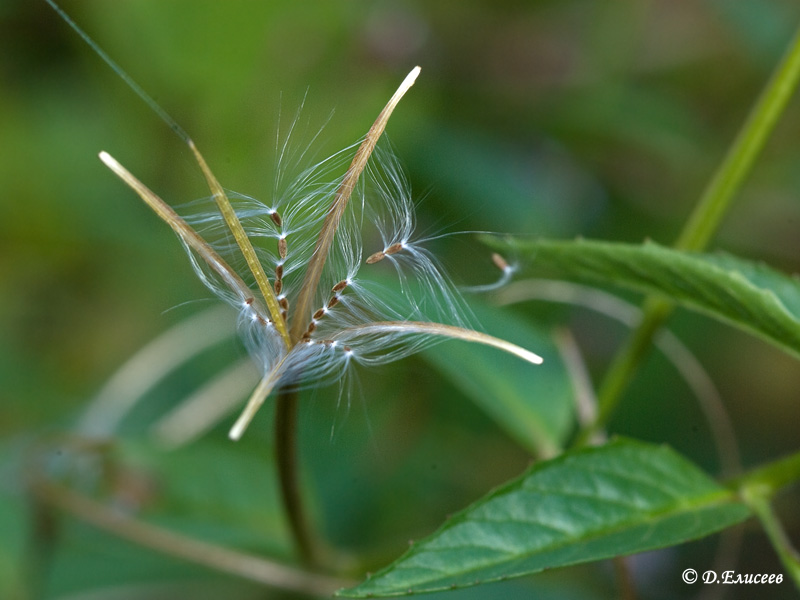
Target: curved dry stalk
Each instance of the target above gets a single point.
(439, 329)
(206, 407)
(219, 558)
(314, 273)
(693, 373)
(151, 364)
(249, 253)
(578, 373)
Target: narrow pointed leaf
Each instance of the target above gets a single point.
(595, 503)
(747, 295)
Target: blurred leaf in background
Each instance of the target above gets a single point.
(541, 118)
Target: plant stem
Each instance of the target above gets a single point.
(757, 489)
(702, 225)
(771, 477)
(749, 142)
(286, 457)
(180, 546)
(777, 536)
(626, 361)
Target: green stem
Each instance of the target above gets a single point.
(777, 536)
(749, 142)
(771, 477)
(702, 224)
(624, 365)
(757, 489)
(286, 456)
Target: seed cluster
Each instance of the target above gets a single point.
(370, 324)
(321, 312)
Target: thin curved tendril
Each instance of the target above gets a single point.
(719, 421)
(326, 234)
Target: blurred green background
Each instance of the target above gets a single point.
(548, 118)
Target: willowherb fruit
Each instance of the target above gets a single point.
(296, 270)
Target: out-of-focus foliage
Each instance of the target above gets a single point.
(556, 118)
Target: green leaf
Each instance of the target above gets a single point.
(595, 503)
(747, 295)
(532, 403)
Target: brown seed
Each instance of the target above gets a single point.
(282, 247)
(311, 327)
(339, 286)
(333, 302)
(278, 286)
(284, 303)
(276, 218)
(249, 301)
(319, 314)
(394, 249)
(279, 272)
(284, 315)
(499, 261)
(376, 257)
